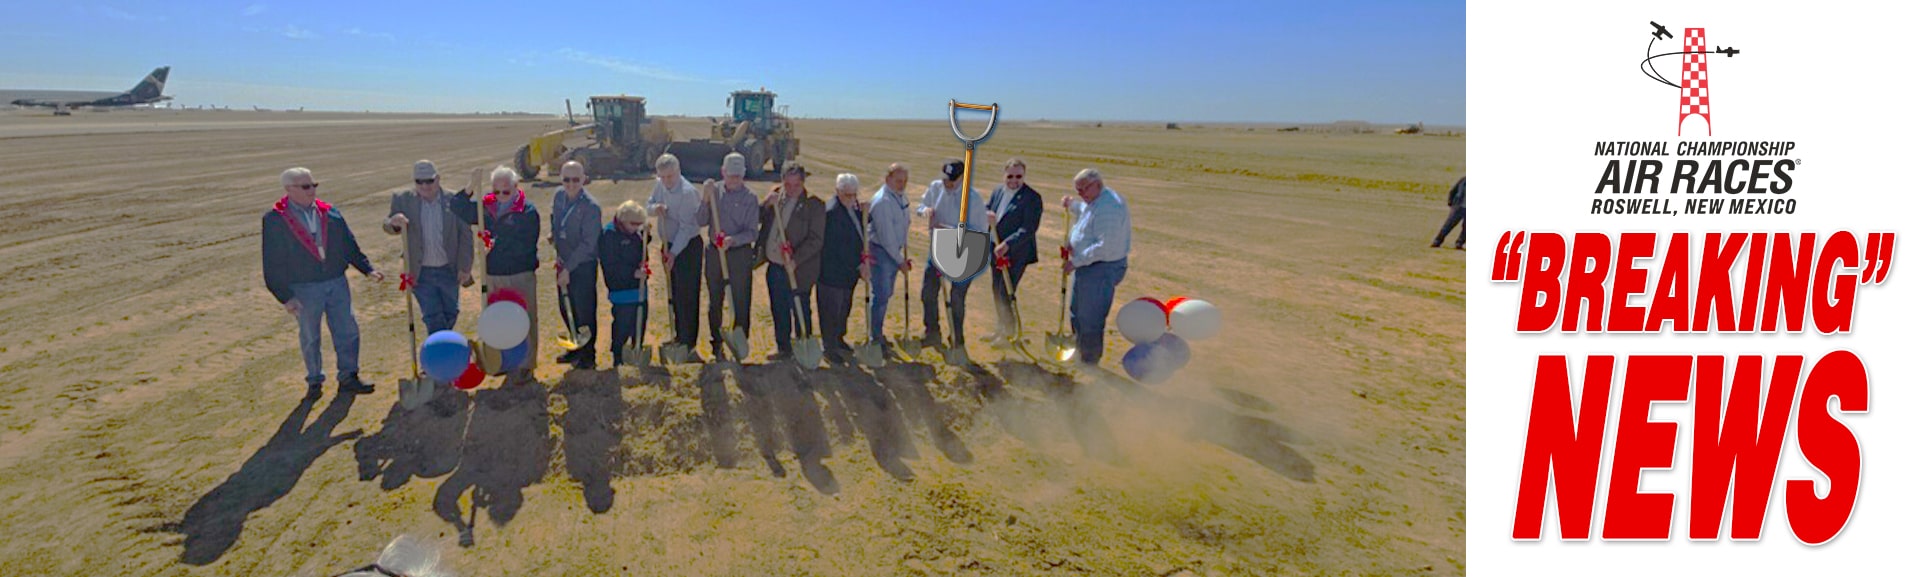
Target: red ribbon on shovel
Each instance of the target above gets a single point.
(406, 282)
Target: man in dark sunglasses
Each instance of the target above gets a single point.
(305, 248)
(440, 242)
(576, 242)
(1015, 210)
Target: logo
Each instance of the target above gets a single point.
(1693, 72)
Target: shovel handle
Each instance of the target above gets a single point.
(953, 120)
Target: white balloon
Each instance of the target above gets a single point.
(503, 325)
(407, 555)
(1195, 319)
(1142, 321)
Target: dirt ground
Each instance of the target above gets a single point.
(151, 419)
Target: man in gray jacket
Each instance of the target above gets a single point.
(441, 244)
(576, 241)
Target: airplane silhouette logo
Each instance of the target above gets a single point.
(1693, 70)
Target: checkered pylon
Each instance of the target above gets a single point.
(1693, 79)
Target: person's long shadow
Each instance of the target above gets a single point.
(906, 385)
(782, 392)
(722, 440)
(213, 524)
(1078, 405)
(857, 401)
(1264, 441)
(593, 426)
(507, 449)
(423, 442)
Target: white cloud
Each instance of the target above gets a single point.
(298, 33)
(625, 67)
(254, 10)
(365, 34)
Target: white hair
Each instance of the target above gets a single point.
(1088, 175)
(666, 161)
(513, 178)
(289, 175)
(846, 181)
(734, 165)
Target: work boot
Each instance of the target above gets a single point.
(780, 355)
(350, 384)
(1436, 244)
(585, 362)
(313, 391)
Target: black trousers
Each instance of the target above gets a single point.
(835, 305)
(684, 295)
(739, 283)
(930, 285)
(626, 329)
(583, 292)
(1005, 283)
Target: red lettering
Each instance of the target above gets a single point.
(1629, 280)
(1829, 447)
(1716, 281)
(1833, 297)
(1587, 281)
(1572, 453)
(1642, 444)
(1724, 441)
(1540, 286)
(1787, 281)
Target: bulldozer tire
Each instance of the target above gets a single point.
(525, 166)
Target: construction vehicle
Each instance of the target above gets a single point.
(623, 140)
(756, 131)
(1412, 129)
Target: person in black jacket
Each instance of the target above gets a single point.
(305, 247)
(842, 265)
(1015, 209)
(514, 225)
(1456, 215)
(622, 251)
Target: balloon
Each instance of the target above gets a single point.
(1142, 363)
(503, 325)
(508, 295)
(1195, 320)
(1172, 352)
(1172, 302)
(445, 355)
(513, 358)
(1142, 321)
(470, 379)
(407, 555)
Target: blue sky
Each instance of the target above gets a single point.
(1193, 61)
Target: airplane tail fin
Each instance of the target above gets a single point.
(153, 85)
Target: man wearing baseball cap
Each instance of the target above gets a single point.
(440, 242)
(940, 204)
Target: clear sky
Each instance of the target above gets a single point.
(1378, 61)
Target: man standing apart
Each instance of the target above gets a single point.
(1456, 214)
(736, 211)
(1097, 248)
(941, 205)
(792, 228)
(576, 242)
(441, 245)
(888, 237)
(676, 204)
(305, 248)
(1015, 210)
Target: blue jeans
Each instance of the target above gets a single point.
(438, 291)
(332, 299)
(884, 272)
(782, 298)
(1093, 287)
(1455, 216)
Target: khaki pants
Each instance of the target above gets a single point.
(525, 284)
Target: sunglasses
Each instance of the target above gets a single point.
(424, 180)
(572, 180)
(307, 186)
(1016, 176)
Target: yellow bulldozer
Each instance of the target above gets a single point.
(756, 131)
(622, 139)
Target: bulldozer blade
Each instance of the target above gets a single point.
(959, 253)
(699, 158)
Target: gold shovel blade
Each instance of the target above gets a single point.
(807, 352)
(570, 341)
(1061, 348)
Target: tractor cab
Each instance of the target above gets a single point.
(753, 106)
(618, 119)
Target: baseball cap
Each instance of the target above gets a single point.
(424, 170)
(952, 169)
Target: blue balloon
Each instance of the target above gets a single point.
(1172, 351)
(1145, 364)
(445, 355)
(511, 359)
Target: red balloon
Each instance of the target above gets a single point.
(507, 294)
(1168, 306)
(470, 379)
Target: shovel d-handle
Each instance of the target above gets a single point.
(966, 180)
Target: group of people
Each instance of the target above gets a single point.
(816, 252)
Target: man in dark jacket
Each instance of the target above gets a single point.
(622, 252)
(576, 232)
(1456, 214)
(305, 247)
(842, 265)
(514, 225)
(792, 227)
(1015, 210)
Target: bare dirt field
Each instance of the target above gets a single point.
(151, 419)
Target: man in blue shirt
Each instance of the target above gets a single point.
(1097, 248)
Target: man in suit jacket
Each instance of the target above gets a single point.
(305, 248)
(1015, 210)
(792, 249)
(441, 244)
